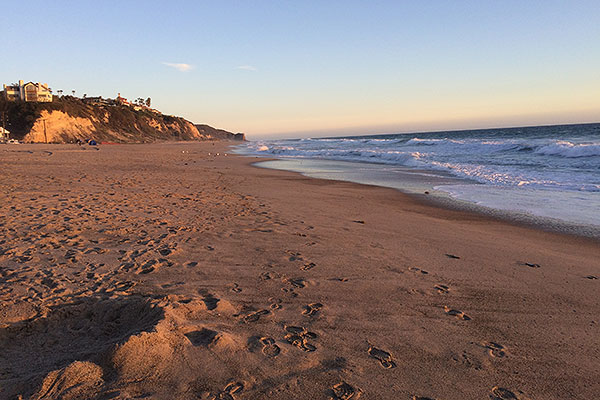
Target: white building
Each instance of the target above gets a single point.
(4, 134)
(30, 91)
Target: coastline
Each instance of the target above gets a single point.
(287, 286)
(428, 193)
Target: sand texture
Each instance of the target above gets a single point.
(165, 272)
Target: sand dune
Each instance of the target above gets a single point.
(168, 272)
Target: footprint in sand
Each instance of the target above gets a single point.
(418, 270)
(495, 349)
(265, 276)
(270, 349)
(298, 283)
(275, 303)
(443, 289)
(209, 300)
(530, 265)
(384, 358)
(499, 393)
(308, 266)
(299, 336)
(228, 392)
(294, 256)
(312, 309)
(456, 313)
(204, 337)
(344, 391)
(123, 286)
(255, 316)
(339, 279)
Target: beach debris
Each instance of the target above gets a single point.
(343, 391)
(452, 256)
(426, 192)
(421, 398)
(384, 358)
(416, 269)
(456, 313)
(592, 277)
(358, 221)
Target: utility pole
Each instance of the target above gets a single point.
(45, 136)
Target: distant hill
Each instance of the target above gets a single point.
(219, 134)
(68, 119)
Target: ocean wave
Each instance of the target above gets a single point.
(541, 162)
(570, 150)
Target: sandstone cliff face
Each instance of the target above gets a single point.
(69, 119)
(59, 127)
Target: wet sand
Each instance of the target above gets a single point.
(166, 272)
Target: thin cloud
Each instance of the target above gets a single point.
(179, 66)
(247, 67)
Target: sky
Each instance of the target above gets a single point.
(283, 68)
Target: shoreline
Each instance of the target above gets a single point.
(446, 201)
(167, 272)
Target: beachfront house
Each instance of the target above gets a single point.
(98, 100)
(30, 91)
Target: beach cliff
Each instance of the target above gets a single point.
(220, 134)
(69, 119)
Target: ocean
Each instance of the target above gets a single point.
(545, 171)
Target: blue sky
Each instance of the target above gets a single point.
(297, 68)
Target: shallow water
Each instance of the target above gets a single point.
(546, 171)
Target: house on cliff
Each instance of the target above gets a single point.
(30, 91)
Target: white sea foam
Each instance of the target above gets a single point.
(571, 150)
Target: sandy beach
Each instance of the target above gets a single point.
(175, 271)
